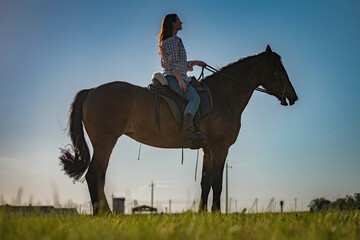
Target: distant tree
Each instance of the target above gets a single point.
(347, 203)
(357, 200)
(338, 204)
(319, 204)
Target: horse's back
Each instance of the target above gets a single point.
(108, 108)
(110, 94)
(117, 88)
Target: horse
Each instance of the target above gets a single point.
(120, 108)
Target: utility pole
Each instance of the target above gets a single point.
(256, 205)
(91, 208)
(295, 204)
(170, 206)
(230, 205)
(152, 193)
(227, 187)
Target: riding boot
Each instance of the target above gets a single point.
(188, 130)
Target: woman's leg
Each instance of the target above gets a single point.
(190, 95)
(194, 100)
(188, 128)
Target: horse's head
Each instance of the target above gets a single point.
(276, 80)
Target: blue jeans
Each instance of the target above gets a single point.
(190, 95)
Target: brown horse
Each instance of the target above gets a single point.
(118, 108)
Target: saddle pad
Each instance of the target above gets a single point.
(176, 105)
(161, 78)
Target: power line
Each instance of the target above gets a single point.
(174, 180)
(254, 205)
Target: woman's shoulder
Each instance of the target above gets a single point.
(172, 39)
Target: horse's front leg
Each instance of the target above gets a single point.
(219, 155)
(205, 181)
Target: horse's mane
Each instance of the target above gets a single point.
(242, 63)
(230, 65)
(245, 59)
(241, 60)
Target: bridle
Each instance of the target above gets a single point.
(213, 70)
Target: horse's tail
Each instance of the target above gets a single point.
(74, 165)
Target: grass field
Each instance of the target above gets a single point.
(325, 225)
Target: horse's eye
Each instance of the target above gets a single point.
(274, 73)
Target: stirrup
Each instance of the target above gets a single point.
(196, 144)
(194, 136)
(200, 134)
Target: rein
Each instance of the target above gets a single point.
(213, 70)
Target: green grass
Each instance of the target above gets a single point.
(325, 225)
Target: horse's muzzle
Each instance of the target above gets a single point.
(293, 100)
(285, 101)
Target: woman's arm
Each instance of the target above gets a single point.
(177, 74)
(198, 63)
(190, 64)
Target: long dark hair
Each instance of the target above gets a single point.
(166, 28)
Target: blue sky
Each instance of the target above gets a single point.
(49, 50)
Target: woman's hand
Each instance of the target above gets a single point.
(178, 76)
(182, 85)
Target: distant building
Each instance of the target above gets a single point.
(144, 209)
(37, 210)
(119, 205)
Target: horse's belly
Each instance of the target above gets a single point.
(165, 134)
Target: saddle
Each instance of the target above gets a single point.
(176, 103)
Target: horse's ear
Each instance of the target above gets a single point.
(268, 49)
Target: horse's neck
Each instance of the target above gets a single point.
(234, 94)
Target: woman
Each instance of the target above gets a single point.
(175, 66)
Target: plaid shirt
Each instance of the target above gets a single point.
(174, 57)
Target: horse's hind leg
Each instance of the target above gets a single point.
(95, 177)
